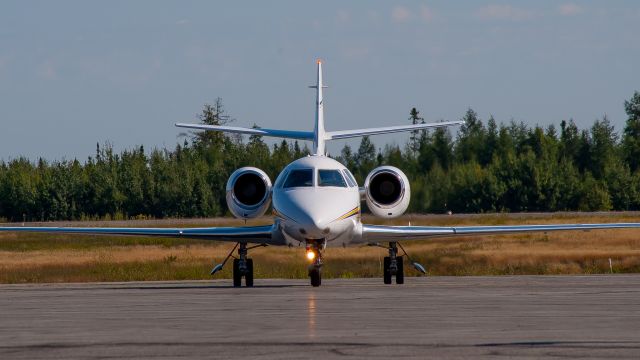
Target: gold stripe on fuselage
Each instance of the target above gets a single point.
(354, 211)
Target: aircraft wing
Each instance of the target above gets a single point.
(375, 233)
(250, 234)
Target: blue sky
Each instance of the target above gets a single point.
(74, 73)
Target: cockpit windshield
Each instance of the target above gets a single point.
(331, 178)
(352, 182)
(299, 178)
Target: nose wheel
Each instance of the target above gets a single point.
(315, 255)
(316, 277)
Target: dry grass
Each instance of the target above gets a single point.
(55, 258)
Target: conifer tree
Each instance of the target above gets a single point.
(631, 134)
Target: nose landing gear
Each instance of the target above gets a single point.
(315, 255)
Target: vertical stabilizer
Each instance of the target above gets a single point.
(318, 131)
(319, 136)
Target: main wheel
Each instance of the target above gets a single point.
(248, 277)
(237, 276)
(400, 273)
(387, 271)
(316, 279)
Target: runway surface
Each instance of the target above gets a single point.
(434, 317)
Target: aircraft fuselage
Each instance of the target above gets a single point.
(315, 210)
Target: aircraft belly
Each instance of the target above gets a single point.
(342, 233)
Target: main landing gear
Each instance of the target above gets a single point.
(242, 265)
(394, 264)
(315, 255)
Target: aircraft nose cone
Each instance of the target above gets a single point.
(321, 227)
(314, 228)
(313, 222)
(313, 212)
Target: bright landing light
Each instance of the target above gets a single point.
(311, 254)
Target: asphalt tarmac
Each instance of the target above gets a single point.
(431, 317)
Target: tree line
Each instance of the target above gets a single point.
(486, 167)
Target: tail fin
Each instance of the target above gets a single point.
(318, 130)
(319, 136)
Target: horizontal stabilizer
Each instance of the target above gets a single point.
(288, 134)
(344, 134)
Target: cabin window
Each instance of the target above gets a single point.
(350, 179)
(331, 178)
(299, 178)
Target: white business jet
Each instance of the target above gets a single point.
(316, 203)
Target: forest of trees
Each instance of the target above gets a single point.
(486, 167)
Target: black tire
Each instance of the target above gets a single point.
(400, 273)
(316, 278)
(248, 277)
(237, 276)
(386, 271)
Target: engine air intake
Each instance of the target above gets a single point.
(387, 192)
(249, 189)
(248, 193)
(385, 188)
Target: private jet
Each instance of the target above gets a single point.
(316, 203)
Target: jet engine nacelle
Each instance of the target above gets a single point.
(387, 191)
(248, 193)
